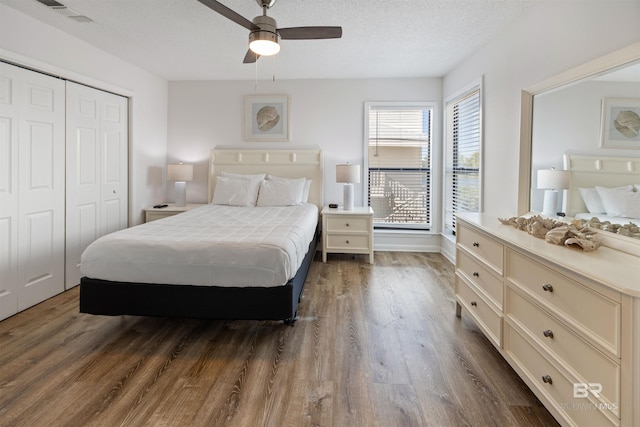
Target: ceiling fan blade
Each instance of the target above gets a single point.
(250, 57)
(228, 13)
(306, 33)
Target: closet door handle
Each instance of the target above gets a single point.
(548, 333)
(547, 287)
(547, 379)
(476, 274)
(476, 244)
(474, 304)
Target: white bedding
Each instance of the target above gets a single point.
(211, 245)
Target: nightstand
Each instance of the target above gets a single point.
(349, 232)
(151, 214)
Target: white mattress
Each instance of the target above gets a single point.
(211, 245)
(611, 219)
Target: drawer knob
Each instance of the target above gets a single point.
(476, 244)
(547, 379)
(347, 242)
(347, 224)
(476, 274)
(474, 304)
(547, 287)
(548, 333)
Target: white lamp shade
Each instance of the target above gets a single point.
(348, 173)
(179, 172)
(552, 179)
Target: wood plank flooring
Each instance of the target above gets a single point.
(375, 345)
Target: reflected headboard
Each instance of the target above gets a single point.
(589, 171)
(299, 162)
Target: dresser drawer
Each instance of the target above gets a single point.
(482, 277)
(481, 246)
(351, 223)
(486, 318)
(590, 365)
(581, 410)
(347, 242)
(592, 313)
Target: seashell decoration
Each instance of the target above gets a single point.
(267, 117)
(556, 232)
(627, 122)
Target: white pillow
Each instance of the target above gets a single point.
(619, 202)
(592, 199)
(258, 176)
(304, 194)
(637, 187)
(235, 191)
(280, 192)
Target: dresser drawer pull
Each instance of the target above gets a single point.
(474, 304)
(347, 224)
(476, 274)
(547, 287)
(548, 333)
(476, 244)
(547, 379)
(347, 242)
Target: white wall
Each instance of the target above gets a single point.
(551, 37)
(29, 42)
(326, 113)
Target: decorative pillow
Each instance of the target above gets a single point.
(236, 191)
(620, 202)
(593, 201)
(304, 194)
(280, 192)
(258, 176)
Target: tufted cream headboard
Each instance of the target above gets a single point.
(284, 162)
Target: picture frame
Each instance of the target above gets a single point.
(620, 126)
(267, 118)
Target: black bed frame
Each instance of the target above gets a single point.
(189, 301)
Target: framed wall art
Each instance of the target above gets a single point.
(267, 118)
(620, 123)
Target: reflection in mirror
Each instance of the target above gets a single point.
(562, 115)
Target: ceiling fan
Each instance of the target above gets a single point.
(264, 33)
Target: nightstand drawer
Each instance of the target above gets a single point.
(589, 364)
(347, 242)
(485, 316)
(350, 223)
(482, 277)
(547, 378)
(481, 246)
(591, 312)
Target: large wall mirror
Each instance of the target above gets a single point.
(562, 115)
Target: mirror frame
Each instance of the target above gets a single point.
(590, 69)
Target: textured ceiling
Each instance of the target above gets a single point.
(185, 40)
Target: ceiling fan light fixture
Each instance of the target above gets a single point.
(264, 43)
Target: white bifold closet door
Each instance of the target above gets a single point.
(97, 170)
(32, 188)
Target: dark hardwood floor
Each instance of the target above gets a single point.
(375, 345)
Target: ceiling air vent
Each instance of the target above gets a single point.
(64, 10)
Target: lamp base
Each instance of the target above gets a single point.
(348, 197)
(550, 204)
(181, 193)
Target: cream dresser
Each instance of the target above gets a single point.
(567, 321)
(348, 232)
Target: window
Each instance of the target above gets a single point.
(463, 147)
(398, 139)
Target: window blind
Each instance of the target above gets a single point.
(399, 159)
(462, 175)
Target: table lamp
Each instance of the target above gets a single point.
(348, 174)
(552, 180)
(180, 173)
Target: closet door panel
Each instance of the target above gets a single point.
(9, 113)
(41, 160)
(96, 179)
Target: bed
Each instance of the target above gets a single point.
(216, 261)
(606, 188)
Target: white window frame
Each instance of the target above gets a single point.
(476, 85)
(434, 176)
